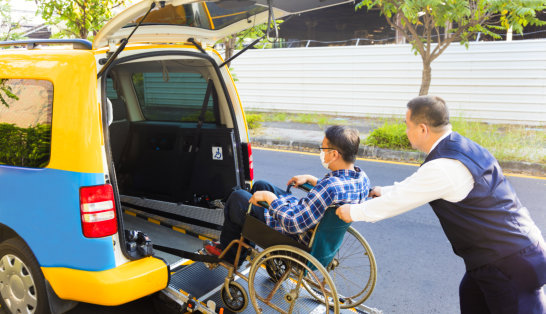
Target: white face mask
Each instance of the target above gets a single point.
(324, 164)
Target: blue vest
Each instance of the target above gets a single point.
(490, 223)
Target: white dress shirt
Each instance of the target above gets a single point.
(441, 178)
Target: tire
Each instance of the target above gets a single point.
(22, 284)
(240, 298)
(353, 270)
(284, 293)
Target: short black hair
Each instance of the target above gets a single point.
(345, 140)
(430, 110)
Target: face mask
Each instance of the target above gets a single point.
(324, 164)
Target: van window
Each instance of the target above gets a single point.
(174, 96)
(118, 105)
(208, 15)
(110, 91)
(26, 107)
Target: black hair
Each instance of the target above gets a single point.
(430, 110)
(345, 140)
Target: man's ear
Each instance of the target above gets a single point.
(423, 128)
(337, 155)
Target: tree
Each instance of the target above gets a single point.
(81, 17)
(9, 28)
(5, 91)
(422, 22)
(236, 41)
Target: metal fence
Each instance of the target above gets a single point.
(489, 81)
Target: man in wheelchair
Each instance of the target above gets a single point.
(345, 183)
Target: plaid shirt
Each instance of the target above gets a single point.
(289, 215)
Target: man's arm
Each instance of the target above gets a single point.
(302, 179)
(264, 196)
(441, 178)
(297, 218)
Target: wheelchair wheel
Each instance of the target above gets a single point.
(239, 297)
(285, 294)
(353, 270)
(276, 268)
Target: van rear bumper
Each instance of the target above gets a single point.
(115, 286)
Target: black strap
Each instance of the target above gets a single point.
(189, 255)
(197, 138)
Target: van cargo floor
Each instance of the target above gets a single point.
(163, 236)
(204, 284)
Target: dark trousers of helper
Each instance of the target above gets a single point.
(511, 285)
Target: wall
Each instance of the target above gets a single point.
(491, 81)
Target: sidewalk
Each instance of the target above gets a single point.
(307, 137)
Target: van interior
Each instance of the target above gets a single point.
(174, 145)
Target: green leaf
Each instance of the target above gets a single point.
(467, 17)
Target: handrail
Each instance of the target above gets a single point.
(32, 43)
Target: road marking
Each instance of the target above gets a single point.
(387, 161)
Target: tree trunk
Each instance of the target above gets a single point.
(83, 33)
(425, 79)
(400, 39)
(229, 43)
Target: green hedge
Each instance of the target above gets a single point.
(25, 147)
(254, 120)
(390, 135)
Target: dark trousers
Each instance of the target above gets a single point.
(511, 285)
(235, 211)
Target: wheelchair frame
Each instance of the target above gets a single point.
(280, 248)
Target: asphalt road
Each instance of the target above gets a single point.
(417, 270)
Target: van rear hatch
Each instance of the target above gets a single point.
(178, 20)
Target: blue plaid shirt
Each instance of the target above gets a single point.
(289, 215)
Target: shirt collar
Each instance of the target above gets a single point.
(446, 134)
(345, 173)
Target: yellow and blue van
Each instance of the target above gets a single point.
(145, 122)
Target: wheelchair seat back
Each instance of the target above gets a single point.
(328, 236)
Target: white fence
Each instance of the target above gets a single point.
(491, 81)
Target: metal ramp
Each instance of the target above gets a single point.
(192, 286)
(201, 286)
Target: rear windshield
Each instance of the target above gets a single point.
(174, 96)
(207, 15)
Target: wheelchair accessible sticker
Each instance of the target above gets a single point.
(217, 153)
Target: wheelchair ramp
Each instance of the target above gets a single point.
(196, 282)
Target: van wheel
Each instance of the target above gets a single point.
(22, 285)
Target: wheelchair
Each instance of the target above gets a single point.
(337, 268)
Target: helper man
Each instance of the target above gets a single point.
(503, 249)
(345, 183)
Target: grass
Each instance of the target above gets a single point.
(254, 120)
(307, 118)
(505, 141)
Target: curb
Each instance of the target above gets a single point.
(529, 168)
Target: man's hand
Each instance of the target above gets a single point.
(343, 212)
(375, 192)
(302, 179)
(265, 196)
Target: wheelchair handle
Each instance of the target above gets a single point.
(306, 187)
(260, 203)
(264, 204)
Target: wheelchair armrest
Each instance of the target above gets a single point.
(264, 236)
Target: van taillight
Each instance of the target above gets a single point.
(98, 212)
(249, 164)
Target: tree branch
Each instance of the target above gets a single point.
(414, 34)
(437, 29)
(398, 27)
